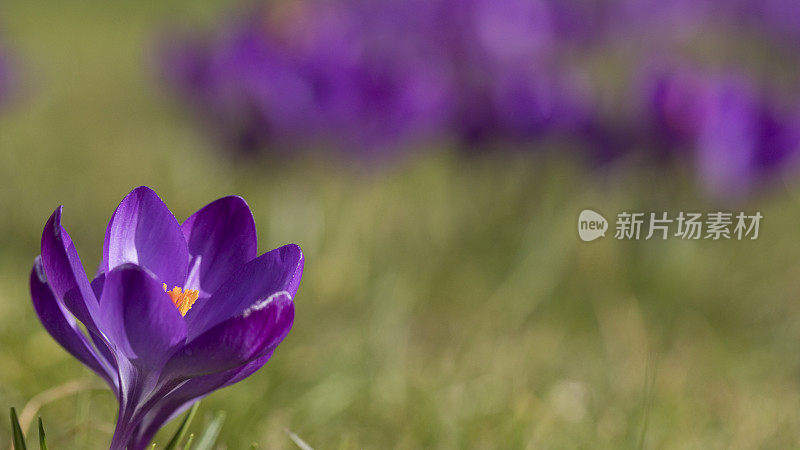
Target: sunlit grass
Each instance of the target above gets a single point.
(447, 302)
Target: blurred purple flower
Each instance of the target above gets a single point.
(294, 76)
(676, 106)
(738, 137)
(161, 350)
(509, 84)
(523, 105)
(744, 140)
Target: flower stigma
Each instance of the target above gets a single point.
(183, 300)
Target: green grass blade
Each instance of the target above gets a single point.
(189, 442)
(212, 432)
(301, 444)
(19, 437)
(42, 438)
(181, 431)
(647, 402)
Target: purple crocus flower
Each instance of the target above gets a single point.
(174, 312)
(509, 85)
(745, 140)
(675, 106)
(737, 137)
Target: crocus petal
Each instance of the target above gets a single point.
(139, 318)
(65, 273)
(180, 399)
(100, 344)
(143, 231)
(274, 271)
(97, 284)
(221, 238)
(236, 341)
(62, 326)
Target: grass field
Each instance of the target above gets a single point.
(447, 302)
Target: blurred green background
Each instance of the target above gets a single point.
(446, 302)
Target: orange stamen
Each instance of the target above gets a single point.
(183, 300)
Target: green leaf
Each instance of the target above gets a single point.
(253, 446)
(42, 438)
(181, 431)
(189, 442)
(212, 432)
(19, 437)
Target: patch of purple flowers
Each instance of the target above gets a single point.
(372, 79)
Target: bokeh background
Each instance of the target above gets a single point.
(431, 158)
